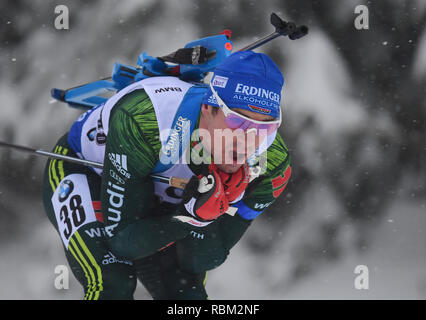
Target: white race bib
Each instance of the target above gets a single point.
(73, 205)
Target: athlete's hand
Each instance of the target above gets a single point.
(235, 183)
(204, 199)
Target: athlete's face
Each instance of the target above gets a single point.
(230, 147)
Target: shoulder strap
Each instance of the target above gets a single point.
(181, 130)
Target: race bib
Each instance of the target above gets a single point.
(73, 205)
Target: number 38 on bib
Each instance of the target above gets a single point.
(73, 206)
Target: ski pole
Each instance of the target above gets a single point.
(282, 28)
(172, 181)
(176, 182)
(52, 155)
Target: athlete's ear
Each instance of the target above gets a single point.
(208, 110)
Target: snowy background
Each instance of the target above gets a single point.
(354, 119)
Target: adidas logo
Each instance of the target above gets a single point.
(111, 258)
(120, 163)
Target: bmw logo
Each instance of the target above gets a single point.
(91, 134)
(65, 189)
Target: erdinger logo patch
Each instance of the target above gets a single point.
(219, 81)
(259, 109)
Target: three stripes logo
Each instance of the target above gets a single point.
(120, 163)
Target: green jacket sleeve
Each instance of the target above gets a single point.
(208, 248)
(133, 228)
(263, 191)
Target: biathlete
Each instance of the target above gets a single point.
(119, 224)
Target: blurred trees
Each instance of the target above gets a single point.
(381, 65)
